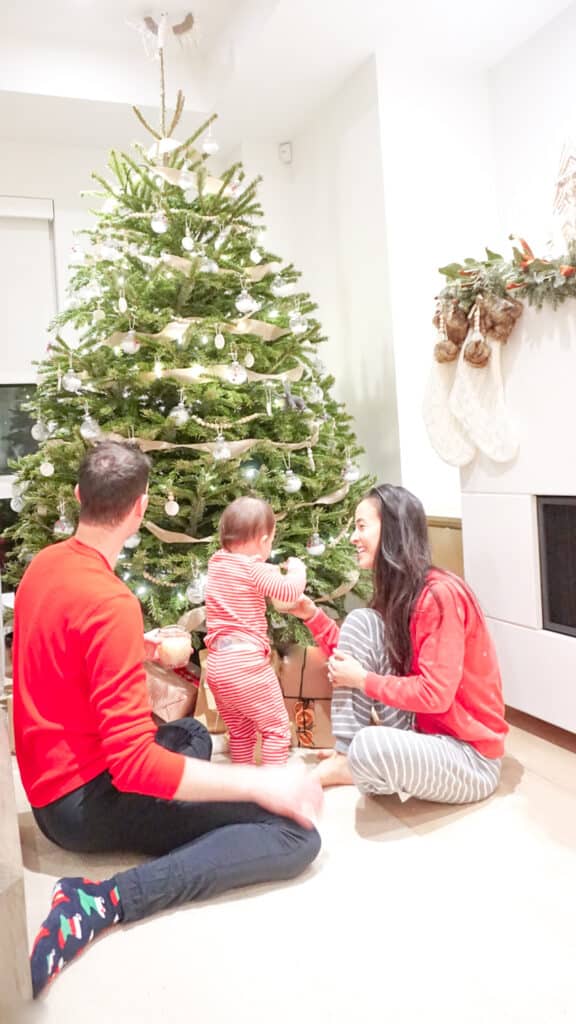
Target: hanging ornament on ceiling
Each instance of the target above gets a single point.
(315, 545)
(219, 340)
(89, 428)
(350, 472)
(221, 451)
(249, 360)
(130, 344)
(179, 414)
(292, 482)
(47, 468)
(171, 507)
(132, 541)
(159, 222)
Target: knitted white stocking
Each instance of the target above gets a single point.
(446, 435)
(477, 402)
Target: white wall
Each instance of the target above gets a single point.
(532, 94)
(437, 158)
(325, 212)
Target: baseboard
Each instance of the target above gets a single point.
(544, 730)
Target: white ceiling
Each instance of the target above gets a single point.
(263, 64)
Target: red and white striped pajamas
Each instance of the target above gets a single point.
(239, 672)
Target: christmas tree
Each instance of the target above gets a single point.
(184, 333)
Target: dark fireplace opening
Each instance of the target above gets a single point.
(557, 536)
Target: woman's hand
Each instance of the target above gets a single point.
(303, 609)
(152, 641)
(344, 670)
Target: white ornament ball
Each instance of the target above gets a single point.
(292, 482)
(132, 541)
(130, 345)
(63, 527)
(99, 315)
(350, 473)
(159, 223)
(210, 147)
(188, 243)
(245, 303)
(179, 415)
(47, 469)
(281, 288)
(90, 429)
(316, 545)
(16, 503)
(236, 374)
(256, 256)
(221, 451)
(39, 431)
(208, 266)
(171, 507)
(71, 381)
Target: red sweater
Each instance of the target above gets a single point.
(455, 686)
(80, 696)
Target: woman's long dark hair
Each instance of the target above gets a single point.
(400, 568)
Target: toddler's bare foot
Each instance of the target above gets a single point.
(333, 771)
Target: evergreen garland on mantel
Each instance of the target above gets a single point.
(530, 278)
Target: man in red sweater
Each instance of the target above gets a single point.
(98, 773)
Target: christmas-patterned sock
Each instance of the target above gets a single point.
(80, 911)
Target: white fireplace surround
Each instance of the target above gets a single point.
(499, 515)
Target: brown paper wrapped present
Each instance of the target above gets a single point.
(172, 693)
(303, 674)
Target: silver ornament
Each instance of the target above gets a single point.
(281, 288)
(179, 414)
(159, 223)
(63, 527)
(245, 303)
(316, 545)
(236, 374)
(219, 341)
(350, 473)
(208, 266)
(250, 470)
(221, 451)
(71, 381)
(16, 503)
(314, 393)
(292, 482)
(47, 469)
(90, 429)
(132, 541)
(130, 345)
(39, 431)
(297, 322)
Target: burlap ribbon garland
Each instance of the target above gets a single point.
(194, 374)
(236, 447)
(176, 329)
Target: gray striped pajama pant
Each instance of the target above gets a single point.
(392, 757)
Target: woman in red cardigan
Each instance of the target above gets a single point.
(417, 707)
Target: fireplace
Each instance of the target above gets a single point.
(557, 543)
